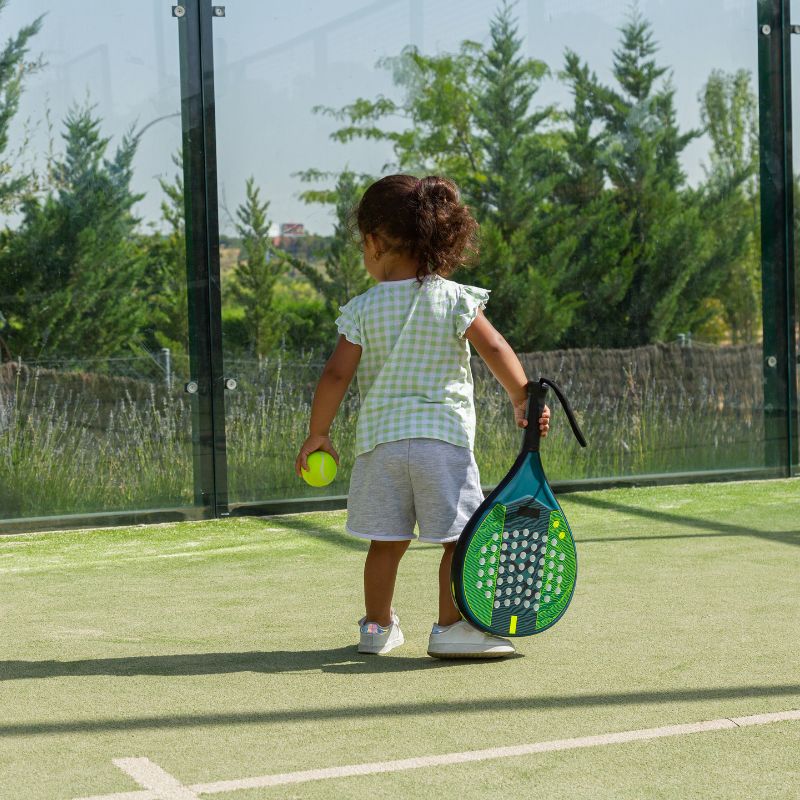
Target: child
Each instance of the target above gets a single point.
(407, 336)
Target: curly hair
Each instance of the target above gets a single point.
(424, 218)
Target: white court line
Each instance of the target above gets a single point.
(148, 774)
(156, 785)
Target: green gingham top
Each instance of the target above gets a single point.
(414, 377)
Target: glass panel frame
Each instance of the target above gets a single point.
(99, 435)
(213, 383)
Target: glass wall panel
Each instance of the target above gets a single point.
(611, 157)
(795, 78)
(93, 307)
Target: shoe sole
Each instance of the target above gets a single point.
(386, 648)
(499, 652)
(472, 654)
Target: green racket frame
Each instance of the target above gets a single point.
(515, 565)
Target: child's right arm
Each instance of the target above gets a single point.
(505, 366)
(336, 377)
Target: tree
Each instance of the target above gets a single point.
(342, 274)
(470, 116)
(602, 263)
(730, 115)
(648, 276)
(165, 286)
(525, 243)
(73, 267)
(13, 70)
(256, 272)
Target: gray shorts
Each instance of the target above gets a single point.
(427, 481)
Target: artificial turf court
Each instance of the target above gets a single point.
(225, 650)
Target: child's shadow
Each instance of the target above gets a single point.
(341, 660)
(347, 660)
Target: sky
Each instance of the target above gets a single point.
(275, 61)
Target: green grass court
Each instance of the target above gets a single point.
(223, 651)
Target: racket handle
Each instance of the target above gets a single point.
(536, 397)
(537, 391)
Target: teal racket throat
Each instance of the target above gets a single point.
(515, 565)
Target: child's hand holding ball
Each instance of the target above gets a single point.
(317, 461)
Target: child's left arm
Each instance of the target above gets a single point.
(330, 391)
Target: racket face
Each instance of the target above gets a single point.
(515, 565)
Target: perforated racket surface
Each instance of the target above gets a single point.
(515, 565)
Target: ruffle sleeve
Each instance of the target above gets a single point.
(348, 324)
(470, 300)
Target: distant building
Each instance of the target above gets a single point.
(287, 232)
(290, 233)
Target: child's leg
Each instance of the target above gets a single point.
(380, 572)
(448, 611)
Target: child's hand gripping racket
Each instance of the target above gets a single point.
(515, 565)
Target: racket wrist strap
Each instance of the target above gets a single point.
(567, 409)
(537, 392)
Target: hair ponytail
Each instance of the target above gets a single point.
(424, 218)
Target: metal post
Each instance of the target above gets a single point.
(777, 234)
(166, 358)
(208, 13)
(202, 255)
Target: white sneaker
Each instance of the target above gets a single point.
(462, 640)
(377, 639)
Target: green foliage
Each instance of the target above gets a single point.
(590, 235)
(73, 268)
(342, 274)
(165, 279)
(524, 247)
(729, 113)
(305, 318)
(645, 263)
(513, 151)
(256, 272)
(470, 116)
(13, 70)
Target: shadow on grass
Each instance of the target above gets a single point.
(715, 527)
(494, 705)
(341, 660)
(332, 536)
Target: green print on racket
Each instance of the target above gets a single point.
(515, 564)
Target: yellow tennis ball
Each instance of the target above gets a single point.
(321, 469)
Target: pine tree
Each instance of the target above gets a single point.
(470, 117)
(602, 264)
(730, 115)
(656, 266)
(258, 268)
(74, 264)
(514, 155)
(13, 71)
(166, 286)
(342, 274)
(525, 246)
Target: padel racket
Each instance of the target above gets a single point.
(515, 564)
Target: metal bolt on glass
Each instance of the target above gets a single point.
(178, 11)
(191, 387)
